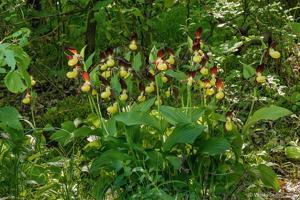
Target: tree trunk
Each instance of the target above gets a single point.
(91, 29)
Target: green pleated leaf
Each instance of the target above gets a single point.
(268, 177)
(214, 146)
(108, 158)
(10, 117)
(268, 113)
(144, 106)
(183, 133)
(173, 115)
(138, 118)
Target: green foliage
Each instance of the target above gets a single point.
(191, 146)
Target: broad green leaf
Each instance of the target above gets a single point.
(138, 118)
(169, 3)
(267, 113)
(89, 62)
(178, 75)
(296, 28)
(10, 117)
(173, 115)
(111, 126)
(22, 58)
(152, 56)
(82, 52)
(268, 176)
(292, 152)
(137, 62)
(64, 134)
(127, 55)
(175, 161)
(81, 132)
(108, 158)
(144, 106)
(14, 83)
(10, 58)
(183, 133)
(115, 84)
(155, 160)
(190, 44)
(248, 71)
(214, 146)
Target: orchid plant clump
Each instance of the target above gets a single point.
(159, 115)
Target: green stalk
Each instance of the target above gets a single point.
(253, 102)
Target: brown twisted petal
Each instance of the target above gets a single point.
(133, 37)
(104, 80)
(141, 87)
(69, 57)
(198, 32)
(109, 51)
(219, 84)
(161, 53)
(102, 55)
(123, 62)
(192, 74)
(72, 50)
(214, 70)
(170, 51)
(260, 68)
(123, 84)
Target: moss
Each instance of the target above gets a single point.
(69, 108)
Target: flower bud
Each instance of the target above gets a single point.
(164, 79)
(190, 81)
(94, 92)
(32, 81)
(228, 125)
(168, 93)
(158, 102)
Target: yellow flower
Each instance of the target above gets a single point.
(197, 58)
(123, 96)
(112, 109)
(132, 45)
(209, 91)
(72, 62)
(86, 87)
(220, 95)
(274, 54)
(171, 60)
